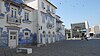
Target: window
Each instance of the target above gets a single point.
(49, 35)
(48, 7)
(53, 34)
(13, 12)
(0, 6)
(43, 18)
(43, 5)
(52, 10)
(14, 37)
(41, 27)
(26, 15)
(0, 32)
(26, 34)
(44, 34)
(53, 21)
(11, 37)
(48, 18)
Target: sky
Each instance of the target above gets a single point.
(75, 11)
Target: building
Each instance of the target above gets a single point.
(95, 31)
(46, 20)
(60, 30)
(67, 34)
(16, 24)
(79, 30)
(28, 22)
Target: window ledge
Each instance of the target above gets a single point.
(26, 21)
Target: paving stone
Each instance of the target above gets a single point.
(62, 48)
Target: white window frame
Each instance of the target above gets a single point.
(14, 9)
(26, 14)
(25, 36)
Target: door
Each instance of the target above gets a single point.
(13, 38)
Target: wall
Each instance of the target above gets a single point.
(26, 25)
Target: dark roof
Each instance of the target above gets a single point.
(59, 21)
(18, 1)
(58, 16)
(51, 4)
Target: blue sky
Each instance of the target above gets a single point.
(74, 11)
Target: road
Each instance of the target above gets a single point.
(62, 48)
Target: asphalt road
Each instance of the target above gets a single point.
(62, 48)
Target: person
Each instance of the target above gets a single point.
(85, 38)
(82, 38)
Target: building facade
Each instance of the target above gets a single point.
(60, 30)
(28, 22)
(95, 31)
(79, 30)
(16, 23)
(46, 20)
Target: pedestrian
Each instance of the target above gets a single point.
(85, 38)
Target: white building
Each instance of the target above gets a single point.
(46, 20)
(79, 30)
(96, 31)
(21, 25)
(60, 30)
(16, 23)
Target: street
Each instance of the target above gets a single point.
(63, 48)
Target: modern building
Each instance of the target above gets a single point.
(16, 23)
(79, 30)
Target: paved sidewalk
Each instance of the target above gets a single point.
(63, 48)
